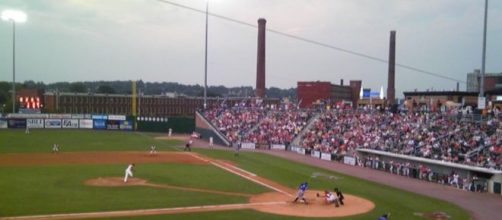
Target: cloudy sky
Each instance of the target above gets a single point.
(89, 40)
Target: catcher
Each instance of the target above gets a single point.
(330, 198)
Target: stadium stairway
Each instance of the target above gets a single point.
(258, 124)
(206, 130)
(298, 138)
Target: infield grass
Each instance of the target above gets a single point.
(26, 190)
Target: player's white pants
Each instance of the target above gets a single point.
(331, 199)
(127, 174)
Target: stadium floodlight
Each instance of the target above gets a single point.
(205, 57)
(14, 17)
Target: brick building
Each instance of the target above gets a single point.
(121, 104)
(435, 99)
(308, 93)
(493, 81)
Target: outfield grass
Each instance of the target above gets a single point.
(47, 189)
(41, 140)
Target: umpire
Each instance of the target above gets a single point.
(339, 194)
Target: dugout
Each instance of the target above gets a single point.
(482, 177)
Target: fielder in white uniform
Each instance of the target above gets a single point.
(128, 172)
(55, 148)
(153, 149)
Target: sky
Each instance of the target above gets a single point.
(92, 40)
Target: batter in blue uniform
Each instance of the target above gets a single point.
(301, 191)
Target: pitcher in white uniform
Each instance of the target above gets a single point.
(128, 172)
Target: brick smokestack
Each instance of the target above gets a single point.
(355, 85)
(260, 64)
(391, 89)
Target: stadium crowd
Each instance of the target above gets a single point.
(438, 136)
(235, 121)
(430, 135)
(278, 127)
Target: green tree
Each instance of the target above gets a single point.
(106, 89)
(78, 87)
(5, 94)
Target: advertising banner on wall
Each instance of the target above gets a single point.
(60, 116)
(3, 123)
(299, 150)
(52, 123)
(315, 153)
(21, 115)
(78, 116)
(293, 148)
(117, 117)
(70, 123)
(278, 147)
(99, 124)
(85, 123)
(349, 160)
(35, 123)
(325, 156)
(17, 123)
(112, 125)
(126, 125)
(248, 146)
(99, 117)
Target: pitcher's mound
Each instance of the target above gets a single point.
(115, 181)
(315, 207)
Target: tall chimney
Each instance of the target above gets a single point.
(458, 86)
(391, 90)
(260, 64)
(341, 82)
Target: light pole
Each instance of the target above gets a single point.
(14, 16)
(205, 58)
(483, 57)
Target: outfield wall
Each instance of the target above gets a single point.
(64, 123)
(98, 122)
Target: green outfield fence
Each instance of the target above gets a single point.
(178, 124)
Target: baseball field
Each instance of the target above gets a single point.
(85, 180)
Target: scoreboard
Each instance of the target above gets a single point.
(30, 102)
